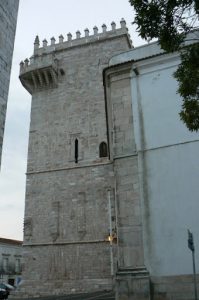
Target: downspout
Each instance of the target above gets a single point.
(140, 136)
(106, 110)
(110, 231)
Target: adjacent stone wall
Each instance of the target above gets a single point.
(8, 20)
(132, 279)
(126, 171)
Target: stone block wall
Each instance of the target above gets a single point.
(78, 111)
(70, 211)
(132, 279)
(123, 148)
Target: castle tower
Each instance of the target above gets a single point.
(82, 214)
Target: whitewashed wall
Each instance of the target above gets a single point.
(168, 162)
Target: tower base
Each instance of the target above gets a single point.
(132, 284)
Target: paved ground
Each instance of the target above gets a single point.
(90, 296)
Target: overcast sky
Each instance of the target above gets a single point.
(45, 18)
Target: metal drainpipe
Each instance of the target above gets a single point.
(110, 231)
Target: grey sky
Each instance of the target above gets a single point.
(46, 18)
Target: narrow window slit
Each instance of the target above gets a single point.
(76, 151)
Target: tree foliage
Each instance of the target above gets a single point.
(170, 21)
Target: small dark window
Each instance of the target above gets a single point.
(11, 281)
(76, 151)
(62, 72)
(103, 151)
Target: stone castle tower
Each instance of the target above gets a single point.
(82, 226)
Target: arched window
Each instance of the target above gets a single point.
(76, 151)
(103, 151)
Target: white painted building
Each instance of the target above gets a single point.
(10, 261)
(168, 166)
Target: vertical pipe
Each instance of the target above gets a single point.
(110, 231)
(116, 219)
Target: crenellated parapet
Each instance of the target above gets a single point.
(40, 71)
(80, 39)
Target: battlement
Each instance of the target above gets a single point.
(40, 70)
(79, 40)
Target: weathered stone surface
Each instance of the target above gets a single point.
(132, 284)
(88, 296)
